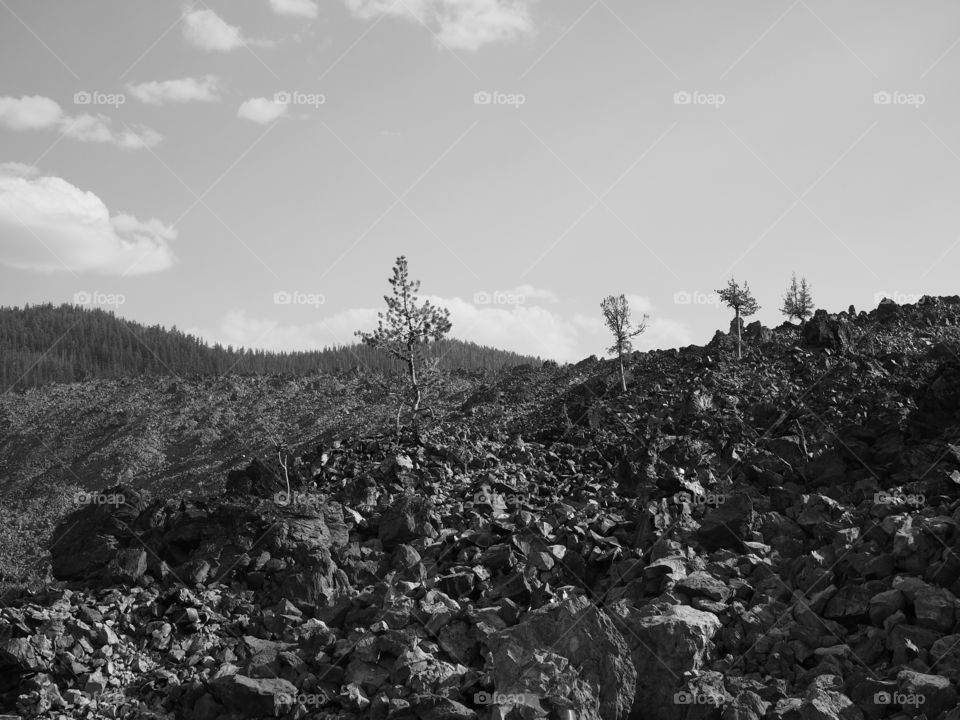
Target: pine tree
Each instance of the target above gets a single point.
(616, 314)
(797, 301)
(741, 300)
(407, 327)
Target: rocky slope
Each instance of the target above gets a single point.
(770, 538)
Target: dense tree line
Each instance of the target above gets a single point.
(40, 344)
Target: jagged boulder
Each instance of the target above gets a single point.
(665, 643)
(827, 331)
(587, 658)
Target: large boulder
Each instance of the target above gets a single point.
(257, 697)
(665, 643)
(87, 541)
(827, 331)
(568, 650)
(727, 524)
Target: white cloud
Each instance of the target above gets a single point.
(208, 31)
(29, 112)
(296, 8)
(183, 90)
(38, 113)
(262, 110)
(50, 225)
(458, 24)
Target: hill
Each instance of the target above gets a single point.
(775, 537)
(41, 344)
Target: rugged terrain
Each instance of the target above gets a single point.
(774, 537)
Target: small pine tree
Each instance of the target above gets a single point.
(616, 314)
(798, 302)
(406, 327)
(741, 300)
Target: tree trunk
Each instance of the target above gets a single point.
(416, 387)
(739, 339)
(623, 376)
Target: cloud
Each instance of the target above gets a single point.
(29, 112)
(262, 110)
(50, 225)
(458, 24)
(528, 329)
(208, 31)
(296, 8)
(40, 113)
(184, 90)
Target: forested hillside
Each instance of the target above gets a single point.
(40, 344)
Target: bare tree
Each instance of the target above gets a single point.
(743, 304)
(616, 314)
(407, 327)
(797, 301)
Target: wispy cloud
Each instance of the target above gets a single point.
(296, 8)
(458, 24)
(208, 31)
(42, 113)
(183, 90)
(261, 110)
(50, 225)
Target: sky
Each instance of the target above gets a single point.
(249, 170)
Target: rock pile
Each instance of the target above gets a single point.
(775, 539)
